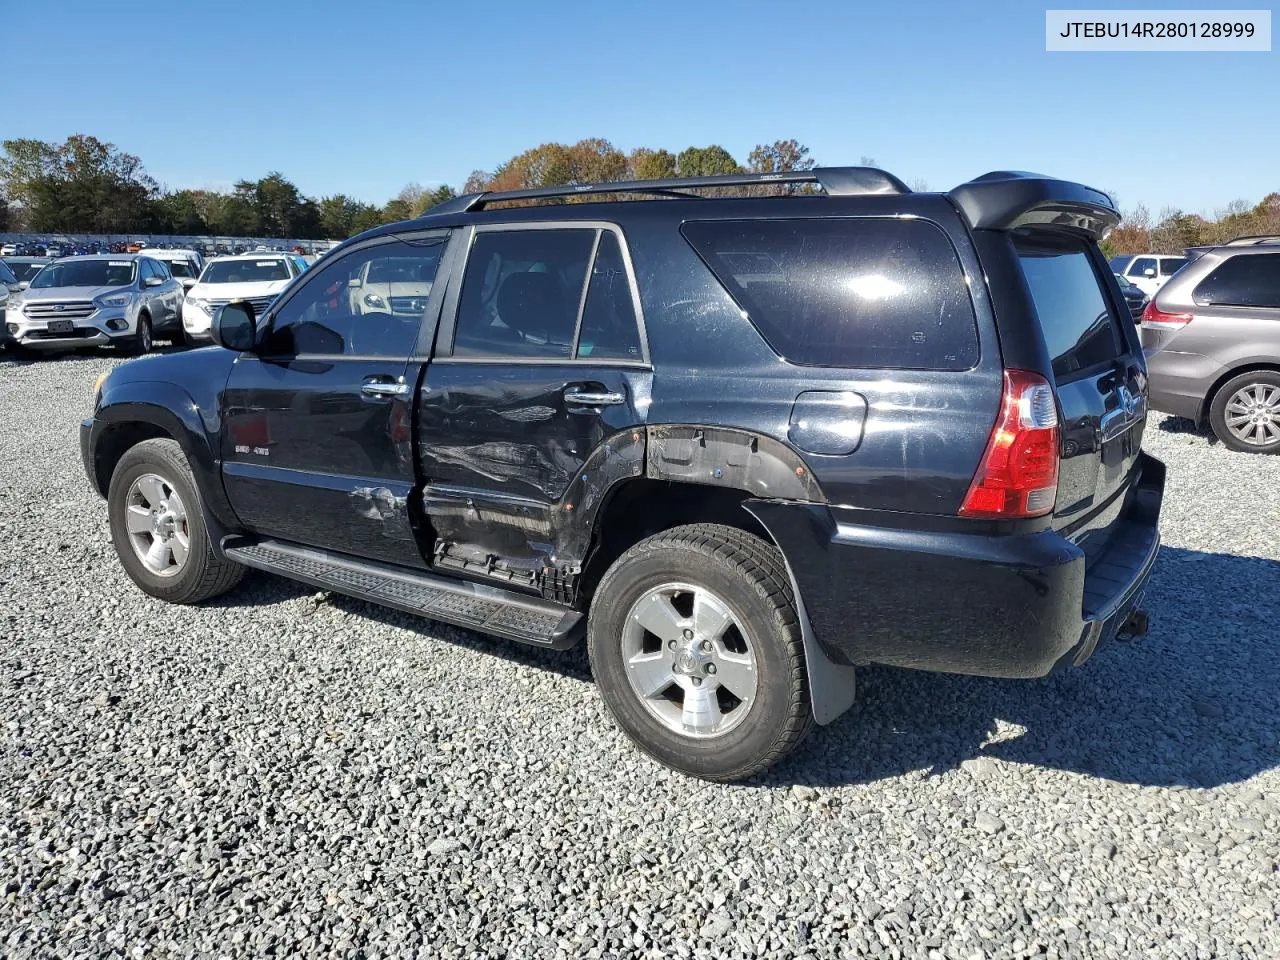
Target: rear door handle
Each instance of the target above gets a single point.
(383, 387)
(593, 398)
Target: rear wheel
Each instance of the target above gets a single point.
(1245, 412)
(695, 644)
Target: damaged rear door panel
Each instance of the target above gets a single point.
(535, 401)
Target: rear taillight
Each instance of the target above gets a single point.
(1018, 476)
(1154, 314)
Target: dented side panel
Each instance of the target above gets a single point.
(513, 473)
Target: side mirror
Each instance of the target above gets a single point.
(1149, 272)
(354, 282)
(24, 284)
(234, 326)
(152, 282)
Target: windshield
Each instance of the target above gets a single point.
(1123, 281)
(25, 271)
(245, 271)
(86, 273)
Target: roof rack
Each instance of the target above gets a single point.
(835, 181)
(1253, 240)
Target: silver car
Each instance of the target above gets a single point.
(120, 299)
(1212, 340)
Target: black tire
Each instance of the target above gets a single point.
(204, 574)
(141, 342)
(748, 575)
(1265, 381)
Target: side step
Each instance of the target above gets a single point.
(477, 606)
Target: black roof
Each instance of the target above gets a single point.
(1002, 200)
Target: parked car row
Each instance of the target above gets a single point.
(128, 300)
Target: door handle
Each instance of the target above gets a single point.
(383, 388)
(593, 398)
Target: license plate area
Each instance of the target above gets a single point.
(61, 326)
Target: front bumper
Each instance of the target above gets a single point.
(957, 602)
(91, 331)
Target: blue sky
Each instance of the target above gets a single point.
(362, 98)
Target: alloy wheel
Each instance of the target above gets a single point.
(156, 520)
(689, 660)
(1253, 414)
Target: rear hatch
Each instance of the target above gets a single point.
(1099, 378)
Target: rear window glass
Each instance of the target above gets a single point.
(846, 292)
(1251, 280)
(1078, 326)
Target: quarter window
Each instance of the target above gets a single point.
(609, 330)
(1245, 280)
(369, 303)
(854, 292)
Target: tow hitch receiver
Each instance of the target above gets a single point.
(1134, 626)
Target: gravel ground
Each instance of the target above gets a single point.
(288, 773)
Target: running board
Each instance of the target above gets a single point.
(476, 606)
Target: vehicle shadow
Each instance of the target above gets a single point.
(1192, 704)
(1182, 425)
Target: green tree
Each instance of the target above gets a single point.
(396, 210)
(437, 196)
(706, 162)
(781, 156)
(180, 212)
(646, 164)
(337, 216)
(82, 184)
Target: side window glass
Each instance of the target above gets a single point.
(609, 329)
(1139, 267)
(1245, 280)
(521, 293)
(1171, 265)
(369, 303)
(145, 271)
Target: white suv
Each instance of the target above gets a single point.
(185, 265)
(1147, 271)
(256, 277)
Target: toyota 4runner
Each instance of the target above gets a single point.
(740, 444)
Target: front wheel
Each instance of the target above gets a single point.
(695, 644)
(140, 343)
(1245, 413)
(157, 526)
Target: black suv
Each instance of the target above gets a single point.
(742, 444)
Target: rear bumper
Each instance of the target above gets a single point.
(1179, 381)
(957, 602)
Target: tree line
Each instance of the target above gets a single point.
(84, 185)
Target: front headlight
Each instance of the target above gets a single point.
(200, 304)
(114, 300)
(375, 301)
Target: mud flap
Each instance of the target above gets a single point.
(831, 685)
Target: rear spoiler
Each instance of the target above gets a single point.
(1008, 200)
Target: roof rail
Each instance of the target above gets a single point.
(835, 181)
(1253, 240)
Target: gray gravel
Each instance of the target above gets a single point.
(299, 774)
